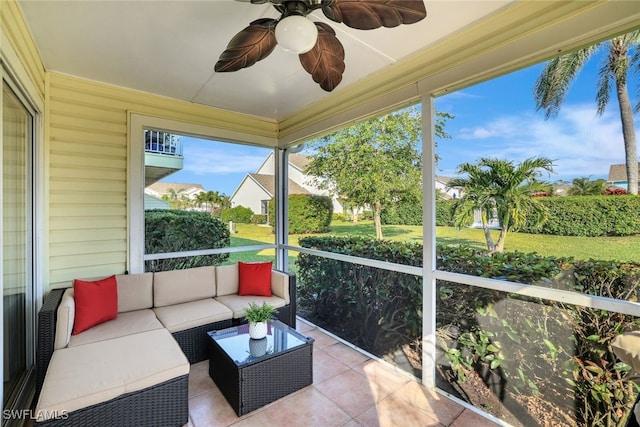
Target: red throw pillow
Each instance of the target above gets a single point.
(254, 278)
(96, 302)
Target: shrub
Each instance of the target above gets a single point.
(178, 231)
(527, 346)
(378, 309)
(239, 214)
(589, 216)
(308, 213)
(444, 213)
(259, 219)
(403, 212)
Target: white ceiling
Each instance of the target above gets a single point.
(170, 48)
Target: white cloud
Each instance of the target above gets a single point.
(580, 142)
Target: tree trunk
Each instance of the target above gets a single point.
(487, 234)
(503, 235)
(629, 136)
(377, 221)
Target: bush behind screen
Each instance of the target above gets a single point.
(177, 231)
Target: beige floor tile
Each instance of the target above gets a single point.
(326, 366)
(351, 391)
(303, 326)
(308, 408)
(369, 394)
(346, 354)
(392, 412)
(211, 409)
(383, 378)
(428, 401)
(199, 379)
(259, 419)
(321, 340)
(351, 423)
(470, 418)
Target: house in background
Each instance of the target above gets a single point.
(151, 202)
(158, 190)
(618, 175)
(257, 189)
(442, 185)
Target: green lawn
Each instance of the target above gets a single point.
(604, 248)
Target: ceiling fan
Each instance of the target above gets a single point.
(321, 53)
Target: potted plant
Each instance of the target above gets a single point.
(258, 316)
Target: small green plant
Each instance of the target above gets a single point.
(259, 313)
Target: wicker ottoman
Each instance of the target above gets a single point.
(251, 373)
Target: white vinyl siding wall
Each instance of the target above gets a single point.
(88, 169)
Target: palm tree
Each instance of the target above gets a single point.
(209, 199)
(553, 84)
(586, 187)
(498, 188)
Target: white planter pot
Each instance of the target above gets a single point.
(258, 330)
(258, 348)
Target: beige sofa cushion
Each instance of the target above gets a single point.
(280, 285)
(95, 373)
(227, 279)
(64, 322)
(178, 286)
(131, 322)
(237, 303)
(135, 291)
(187, 315)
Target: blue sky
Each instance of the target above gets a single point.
(492, 119)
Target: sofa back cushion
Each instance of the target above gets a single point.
(64, 320)
(178, 286)
(227, 279)
(135, 291)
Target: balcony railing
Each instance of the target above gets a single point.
(160, 142)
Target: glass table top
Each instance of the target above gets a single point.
(242, 349)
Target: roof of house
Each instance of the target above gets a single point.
(163, 187)
(268, 183)
(299, 160)
(618, 173)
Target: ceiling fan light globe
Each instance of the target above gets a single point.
(296, 34)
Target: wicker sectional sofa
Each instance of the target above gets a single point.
(133, 370)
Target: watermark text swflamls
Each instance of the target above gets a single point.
(30, 414)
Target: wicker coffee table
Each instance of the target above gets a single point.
(251, 373)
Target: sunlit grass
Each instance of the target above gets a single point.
(603, 248)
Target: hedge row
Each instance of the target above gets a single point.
(177, 231)
(238, 214)
(590, 216)
(528, 346)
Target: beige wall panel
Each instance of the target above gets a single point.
(85, 124)
(83, 235)
(88, 169)
(63, 225)
(81, 136)
(17, 33)
(77, 197)
(112, 97)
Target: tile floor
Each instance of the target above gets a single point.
(349, 389)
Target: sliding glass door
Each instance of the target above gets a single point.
(17, 248)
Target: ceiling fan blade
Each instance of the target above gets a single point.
(370, 14)
(325, 62)
(249, 46)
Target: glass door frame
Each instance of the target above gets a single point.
(35, 235)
